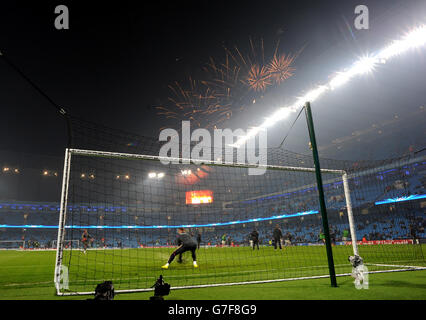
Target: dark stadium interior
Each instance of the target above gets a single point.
(109, 83)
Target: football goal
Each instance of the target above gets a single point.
(126, 208)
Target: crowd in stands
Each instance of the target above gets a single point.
(373, 222)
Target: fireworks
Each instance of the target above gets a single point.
(195, 103)
(228, 86)
(280, 68)
(258, 78)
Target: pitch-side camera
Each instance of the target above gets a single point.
(161, 289)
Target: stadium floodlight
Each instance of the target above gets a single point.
(362, 66)
(186, 172)
(310, 96)
(338, 80)
(153, 175)
(412, 40)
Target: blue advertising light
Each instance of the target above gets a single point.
(402, 199)
(284, 216)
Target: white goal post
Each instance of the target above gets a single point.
(65, 189)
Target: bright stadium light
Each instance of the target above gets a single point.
(156, 175)
(186, 172)
(362, 66)
(365, 65)
(412, 40)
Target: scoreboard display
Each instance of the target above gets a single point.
(199, 197)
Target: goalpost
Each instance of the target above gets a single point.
(113, 197)
(133, 204)
(75, 216)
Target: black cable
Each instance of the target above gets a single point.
(419, 151)
(58, 108)
(291, 127)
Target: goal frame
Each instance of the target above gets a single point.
(93, 153)
(69, 152)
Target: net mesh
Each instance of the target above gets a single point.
(132, 215)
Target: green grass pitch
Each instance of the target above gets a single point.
(29, 274)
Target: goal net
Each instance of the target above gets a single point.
(12, 244)
(68, 244)
(131, 206)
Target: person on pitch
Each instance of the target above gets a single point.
(277, 235)
(198, 239)
(254, 237)
(185, 243)
(85, 238)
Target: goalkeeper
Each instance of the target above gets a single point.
(185, 243)
(86, 239)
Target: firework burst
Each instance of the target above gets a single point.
(195, 103)
(280, 68)
(228, 86)
(258, 78)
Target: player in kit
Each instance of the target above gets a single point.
(86, 239)
(185, 243)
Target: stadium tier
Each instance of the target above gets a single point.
(40, 220)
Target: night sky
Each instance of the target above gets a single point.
(114, 65)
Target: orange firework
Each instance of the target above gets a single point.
(196, 104)
(280, 68)
(229, 86)
(258, 78)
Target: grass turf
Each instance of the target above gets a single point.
(29, 274)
